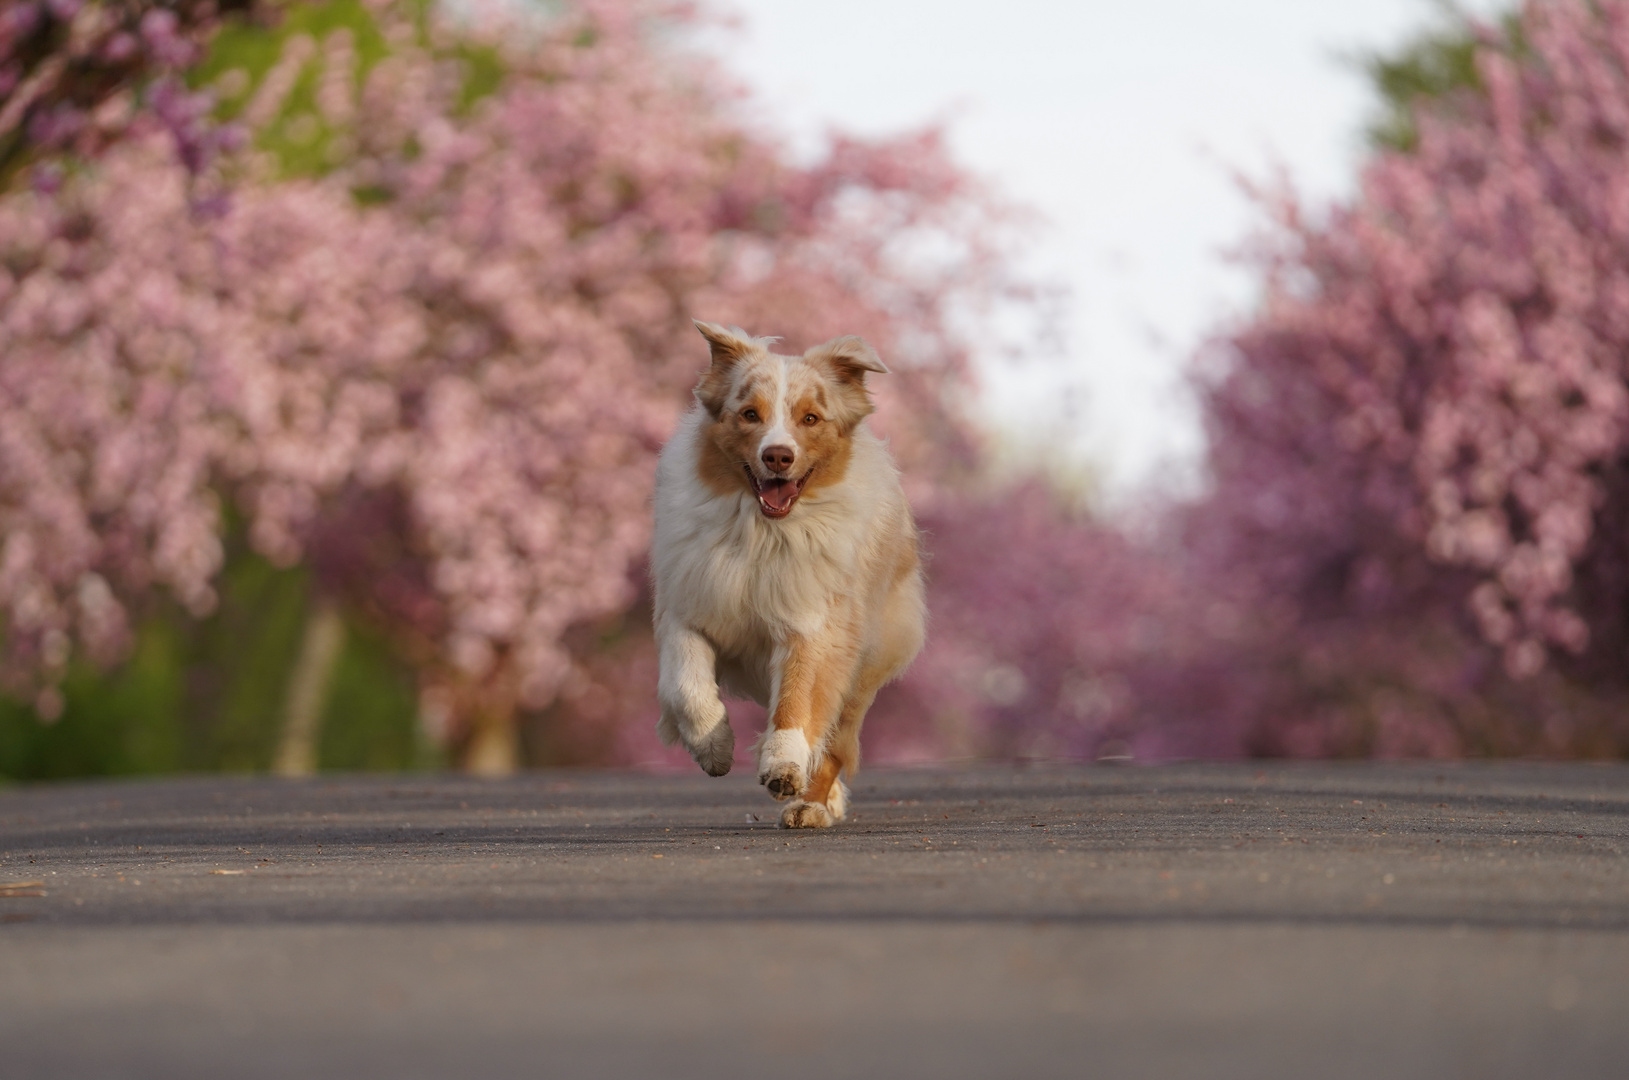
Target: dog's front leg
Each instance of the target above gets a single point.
(687, 690)
(811, 675)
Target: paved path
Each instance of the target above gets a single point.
(1205, 921)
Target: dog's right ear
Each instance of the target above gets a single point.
(730, 345)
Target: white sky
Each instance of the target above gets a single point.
(1121, 123)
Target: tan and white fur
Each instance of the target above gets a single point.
(786, 566)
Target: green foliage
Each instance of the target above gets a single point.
(209, 695)
(242, 55)
(1433, 68)
(126, 722)
(370, 721)
(235, 666)
(254, 49)
(484, 73)
(301, 138)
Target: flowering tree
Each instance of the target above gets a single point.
(1415, 539)
(1050, 632)
(439, 368)
(1419, 443)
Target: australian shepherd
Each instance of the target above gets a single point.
(786, 566)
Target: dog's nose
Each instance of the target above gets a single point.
(778, 458)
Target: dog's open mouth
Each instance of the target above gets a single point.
(776, 495)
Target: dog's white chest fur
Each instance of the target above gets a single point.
(741, 578)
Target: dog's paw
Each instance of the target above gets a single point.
(784, 779)
(807, 815)
(715, 752)
(783, 762)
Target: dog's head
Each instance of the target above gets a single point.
(780, 425)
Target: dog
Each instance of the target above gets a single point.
(786, 566)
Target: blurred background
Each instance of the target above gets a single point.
(1258, 370)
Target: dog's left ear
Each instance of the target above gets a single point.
(848, 358)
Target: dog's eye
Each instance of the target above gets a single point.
(811, 419)
(750, 416)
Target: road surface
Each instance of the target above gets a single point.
(1251, 920)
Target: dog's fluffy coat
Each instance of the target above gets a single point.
(786, 565)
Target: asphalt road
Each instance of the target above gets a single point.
(1256, 921)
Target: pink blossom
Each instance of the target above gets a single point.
(447, 397)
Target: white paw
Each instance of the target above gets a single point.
(783, 763)
(807, 815)
(784, 780)
(813, 815)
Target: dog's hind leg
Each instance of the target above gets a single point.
(687, 690)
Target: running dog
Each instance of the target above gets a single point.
(786, 566)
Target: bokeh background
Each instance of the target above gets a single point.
(338, 338)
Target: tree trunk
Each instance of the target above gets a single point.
(493, 746)
(320, 650)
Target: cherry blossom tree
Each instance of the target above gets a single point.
(1414, 539)
(1418, 443)
(439, 368)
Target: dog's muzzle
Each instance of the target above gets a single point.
(776, 495)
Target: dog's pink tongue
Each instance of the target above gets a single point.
(778, 494)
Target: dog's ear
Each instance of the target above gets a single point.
(845, 361)
(730, 345)
(847, 358)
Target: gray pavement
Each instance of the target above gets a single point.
(1254, 920)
